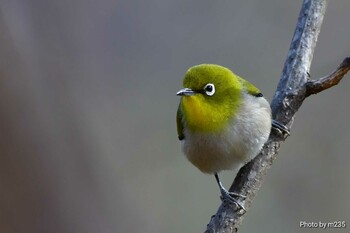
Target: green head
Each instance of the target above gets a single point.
(211, 96)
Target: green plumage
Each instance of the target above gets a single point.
(179, 124)
(250, 88)
(204, 113)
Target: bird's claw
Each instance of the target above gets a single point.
(280, 127)
(228, 197)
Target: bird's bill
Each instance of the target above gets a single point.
(186, 92)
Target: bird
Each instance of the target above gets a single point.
(222, 120)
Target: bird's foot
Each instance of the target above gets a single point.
(227, 196)
(280, 127)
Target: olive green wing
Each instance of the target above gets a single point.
(179, 123)
(250, 88)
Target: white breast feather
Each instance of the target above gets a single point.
(237, 145)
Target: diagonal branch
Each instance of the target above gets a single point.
(289, 96)
(315, 86)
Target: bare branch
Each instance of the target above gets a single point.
(289, 96)
(316, 86)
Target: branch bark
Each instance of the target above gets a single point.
(294, 86)
(315, 86)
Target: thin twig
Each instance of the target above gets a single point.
(316, 86)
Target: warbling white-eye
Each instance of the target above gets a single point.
(222, 121)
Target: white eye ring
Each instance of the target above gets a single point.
(209, 89)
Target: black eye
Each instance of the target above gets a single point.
(209, 89)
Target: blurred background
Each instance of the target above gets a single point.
(88, 139)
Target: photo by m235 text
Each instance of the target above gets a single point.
(323, 225)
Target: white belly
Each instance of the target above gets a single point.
(238, 144)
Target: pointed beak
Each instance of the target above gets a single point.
(186, 92)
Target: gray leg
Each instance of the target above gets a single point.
(228, 196)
